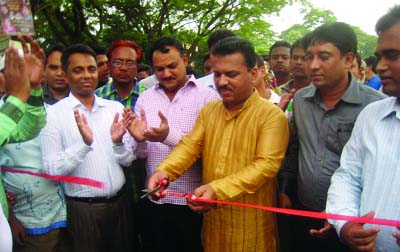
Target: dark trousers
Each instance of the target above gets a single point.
(303, 241)
(135, 176)
(170, 227)
(100, 227)
(56, 240)
(286, 232)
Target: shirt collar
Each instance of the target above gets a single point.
(74, 102)
(112, 90)
(351, 95)
(190, 82)
(393, 107)
(287, 86)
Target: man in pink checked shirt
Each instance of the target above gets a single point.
(164, 114)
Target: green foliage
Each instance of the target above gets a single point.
(366, 43)
(144, 21)
(314, 17)
(294, 32)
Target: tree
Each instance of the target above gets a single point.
(366, 43)
(314, 17)
(144, 21)
(293, 33)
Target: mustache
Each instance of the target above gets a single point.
(167, 79)
(224, 88)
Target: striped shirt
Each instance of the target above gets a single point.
(369, 175)
(241, 153)
(109, 92)
(65, 153)
(181, 114)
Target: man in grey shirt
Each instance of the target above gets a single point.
(324, 115)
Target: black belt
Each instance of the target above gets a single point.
(106, 199)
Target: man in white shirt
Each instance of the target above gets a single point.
(367, 181)
(83, 137)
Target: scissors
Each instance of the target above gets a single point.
(149, 191)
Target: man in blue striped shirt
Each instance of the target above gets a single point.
(368, 180)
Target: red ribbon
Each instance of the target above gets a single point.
(67, 179)
(310, 214)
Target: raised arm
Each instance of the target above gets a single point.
(21, 121)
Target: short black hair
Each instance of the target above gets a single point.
(340, 34)
(59, 47)
(98, 48)
(297, 44)
(162, 43)
(371, 61)
(233, 45)
(259, 61)
(388, 20)
(306, 40)
(75, 48)
(146, 68)
(219, 35)
(279, 44)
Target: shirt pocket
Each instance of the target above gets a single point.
(338, 135)
(344, 132)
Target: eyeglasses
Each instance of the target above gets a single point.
(119, 63)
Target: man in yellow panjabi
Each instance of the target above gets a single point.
(241, 141)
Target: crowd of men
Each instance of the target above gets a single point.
(315, 130)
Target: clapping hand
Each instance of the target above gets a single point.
(34, 60)
(118, 129)
(138, 127)
(158, 134)
(14, 78)
(84, 128)
(135, 126)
